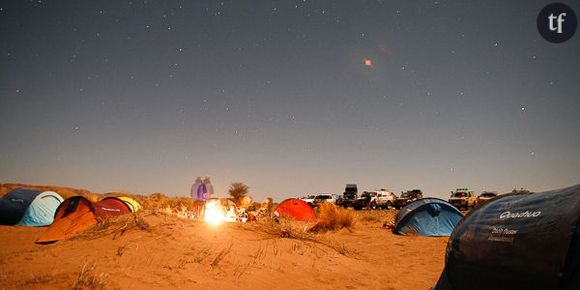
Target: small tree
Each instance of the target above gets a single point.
(237, 191)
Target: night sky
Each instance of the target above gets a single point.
(290, 97)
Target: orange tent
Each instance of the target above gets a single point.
(296, 209)
(77, 214)
(74, 215)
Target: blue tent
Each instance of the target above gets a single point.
(28, 207)
(427, 217)
(13, 205)
(41, 210)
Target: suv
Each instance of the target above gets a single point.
(462, 198)
(350, 191)
(350, 198)
(324, 197)
(382, 199)
(408, 197)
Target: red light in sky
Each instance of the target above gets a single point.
(368, 62)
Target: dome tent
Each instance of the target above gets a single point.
(13, 205)
(110, 206)
(518, 241)
(25, 207)
(133, 205)
(42, 209)
(77, 214)
(427, 217)
(296, 209)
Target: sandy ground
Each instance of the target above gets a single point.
(156, 250)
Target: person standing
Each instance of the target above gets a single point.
(208, 188)
(195, 189)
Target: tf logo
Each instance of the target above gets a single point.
(557, 22)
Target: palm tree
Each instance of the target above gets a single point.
(238, 190)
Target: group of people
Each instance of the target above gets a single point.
(202, 190)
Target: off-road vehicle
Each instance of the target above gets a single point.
(462, 198)
(408, 197)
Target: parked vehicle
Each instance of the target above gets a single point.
(325, 197)
(350, 198)
(382, 199)
(350, 191)
(309, 199)
(407, 197)
(462, 198)
(485, 196)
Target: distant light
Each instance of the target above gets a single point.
(368, 62)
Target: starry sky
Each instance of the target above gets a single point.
(290, 97)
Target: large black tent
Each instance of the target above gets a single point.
(518, 241)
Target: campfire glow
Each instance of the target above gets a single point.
(214, 212)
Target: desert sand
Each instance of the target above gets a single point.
(156, 249)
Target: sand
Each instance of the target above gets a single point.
(162, 251)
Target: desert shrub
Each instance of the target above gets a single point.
(295, 231)
(87, 278)
(332, 218)
(115, 226)
(161, 202)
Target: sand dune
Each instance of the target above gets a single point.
(157, 250)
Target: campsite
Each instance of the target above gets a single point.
(117, 241)
(161, 249)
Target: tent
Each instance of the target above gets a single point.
(110, 206)
(133, 205)
(14, 204)
(74, 215)
(23, 207)
(77, 214)
(296, 209)
(427, 217)
(518, 241)
(42, 209)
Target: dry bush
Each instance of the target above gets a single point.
(115, 225)
(176, 205)
(295, 231)
(87, 278)
(376, 216)
(332, 218)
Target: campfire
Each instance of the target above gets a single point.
(218, 211)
